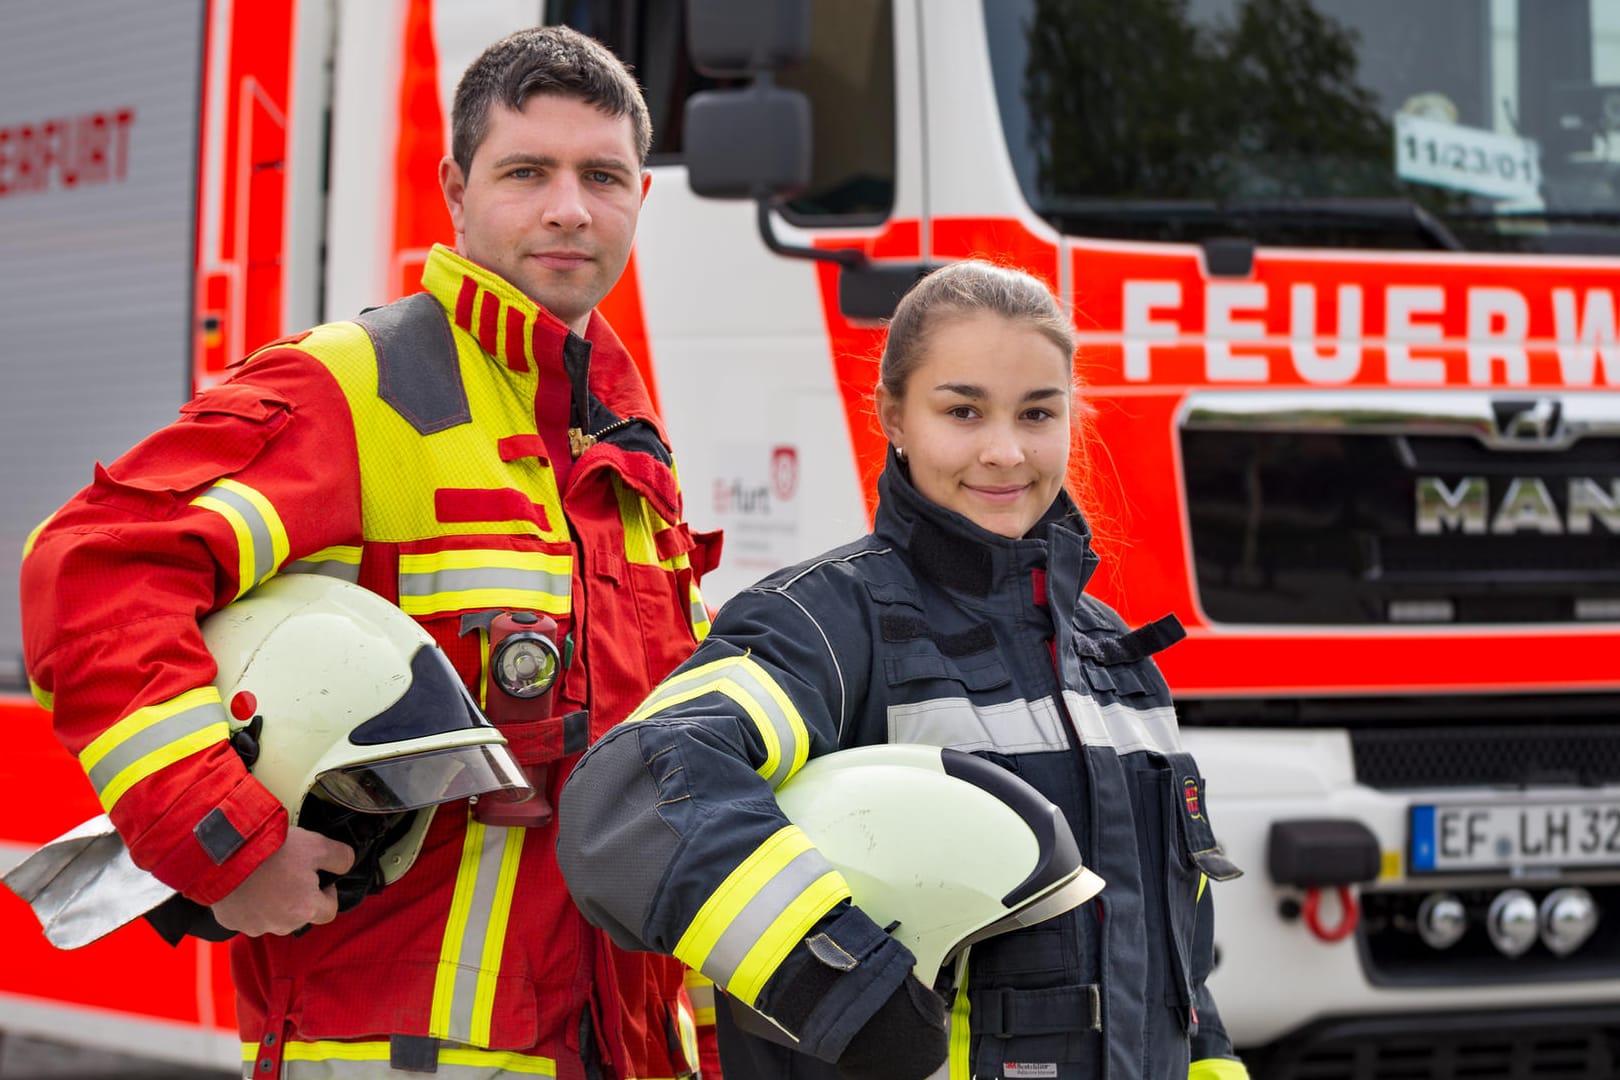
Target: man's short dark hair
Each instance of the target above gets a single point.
(544, 60)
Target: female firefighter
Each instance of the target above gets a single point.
(960, 621)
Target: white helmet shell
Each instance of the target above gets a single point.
(355, 705)
(952, 848)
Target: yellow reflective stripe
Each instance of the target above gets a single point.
(759, 912)
(699, 612)
(1203, 880)
(261, 539)
(33, 535)
(440, 581)
(444, 981)
(340, 561)
(786, 931)
(330, 1052)
(153, 738)
(470, 954)
(42, 697)
(1217, 1069)
(744, 681)
(961, 1030)
(700, 988)
(483, 1009)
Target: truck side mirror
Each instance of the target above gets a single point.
(747, 144)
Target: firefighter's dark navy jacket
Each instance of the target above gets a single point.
(928, 630)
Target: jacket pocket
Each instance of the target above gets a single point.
(1175, 815)
(1034, 1007)
(219, 433)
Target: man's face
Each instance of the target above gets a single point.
(550, 202)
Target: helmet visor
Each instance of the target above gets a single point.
(425, 779)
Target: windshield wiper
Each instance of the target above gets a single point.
(1310, 211)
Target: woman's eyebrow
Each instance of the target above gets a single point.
(978, 393)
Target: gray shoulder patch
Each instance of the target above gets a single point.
(418, 372)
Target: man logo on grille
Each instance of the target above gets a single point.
(1528, 420)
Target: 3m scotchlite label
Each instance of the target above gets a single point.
(1124, 728)
(261, 539)
(760, 911)
(152, 738)
(1010, 727)
(744, 681)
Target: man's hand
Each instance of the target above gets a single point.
(284, 893)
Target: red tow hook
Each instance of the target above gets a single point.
(1349, 914)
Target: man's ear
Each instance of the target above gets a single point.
(453, 184)
(646, 184)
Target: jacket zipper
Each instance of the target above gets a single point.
(579, 441)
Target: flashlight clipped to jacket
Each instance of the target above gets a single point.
(523, 664)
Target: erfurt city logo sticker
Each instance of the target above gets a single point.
(1189, 795)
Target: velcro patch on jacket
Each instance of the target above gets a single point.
(1139, 644)
(218, 837)
(976, 639)
(947, 561)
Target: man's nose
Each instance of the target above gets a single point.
(565, 205)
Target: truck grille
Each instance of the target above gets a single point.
(1389, 507)
(1564, 1044)
(1462, 757)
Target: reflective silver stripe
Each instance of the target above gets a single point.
(701, 990)
(264, 545)
(169, 731)
(340, 562)
(1124, 728)
(479, 930)
(449, 590)
(457, 581)
(1014, 727)
(761, 913)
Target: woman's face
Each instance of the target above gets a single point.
(985, 421)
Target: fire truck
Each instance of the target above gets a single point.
(1345, 278)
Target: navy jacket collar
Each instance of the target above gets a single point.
(963, 558)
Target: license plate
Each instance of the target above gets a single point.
(1453, 837)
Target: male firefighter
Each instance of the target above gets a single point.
(485, 455)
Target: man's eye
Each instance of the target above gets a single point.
(600, 177)
(521, 174)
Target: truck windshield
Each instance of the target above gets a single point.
(1481, 124)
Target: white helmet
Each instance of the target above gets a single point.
(950, 847)
(350, 714)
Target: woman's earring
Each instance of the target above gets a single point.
(900, 452)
